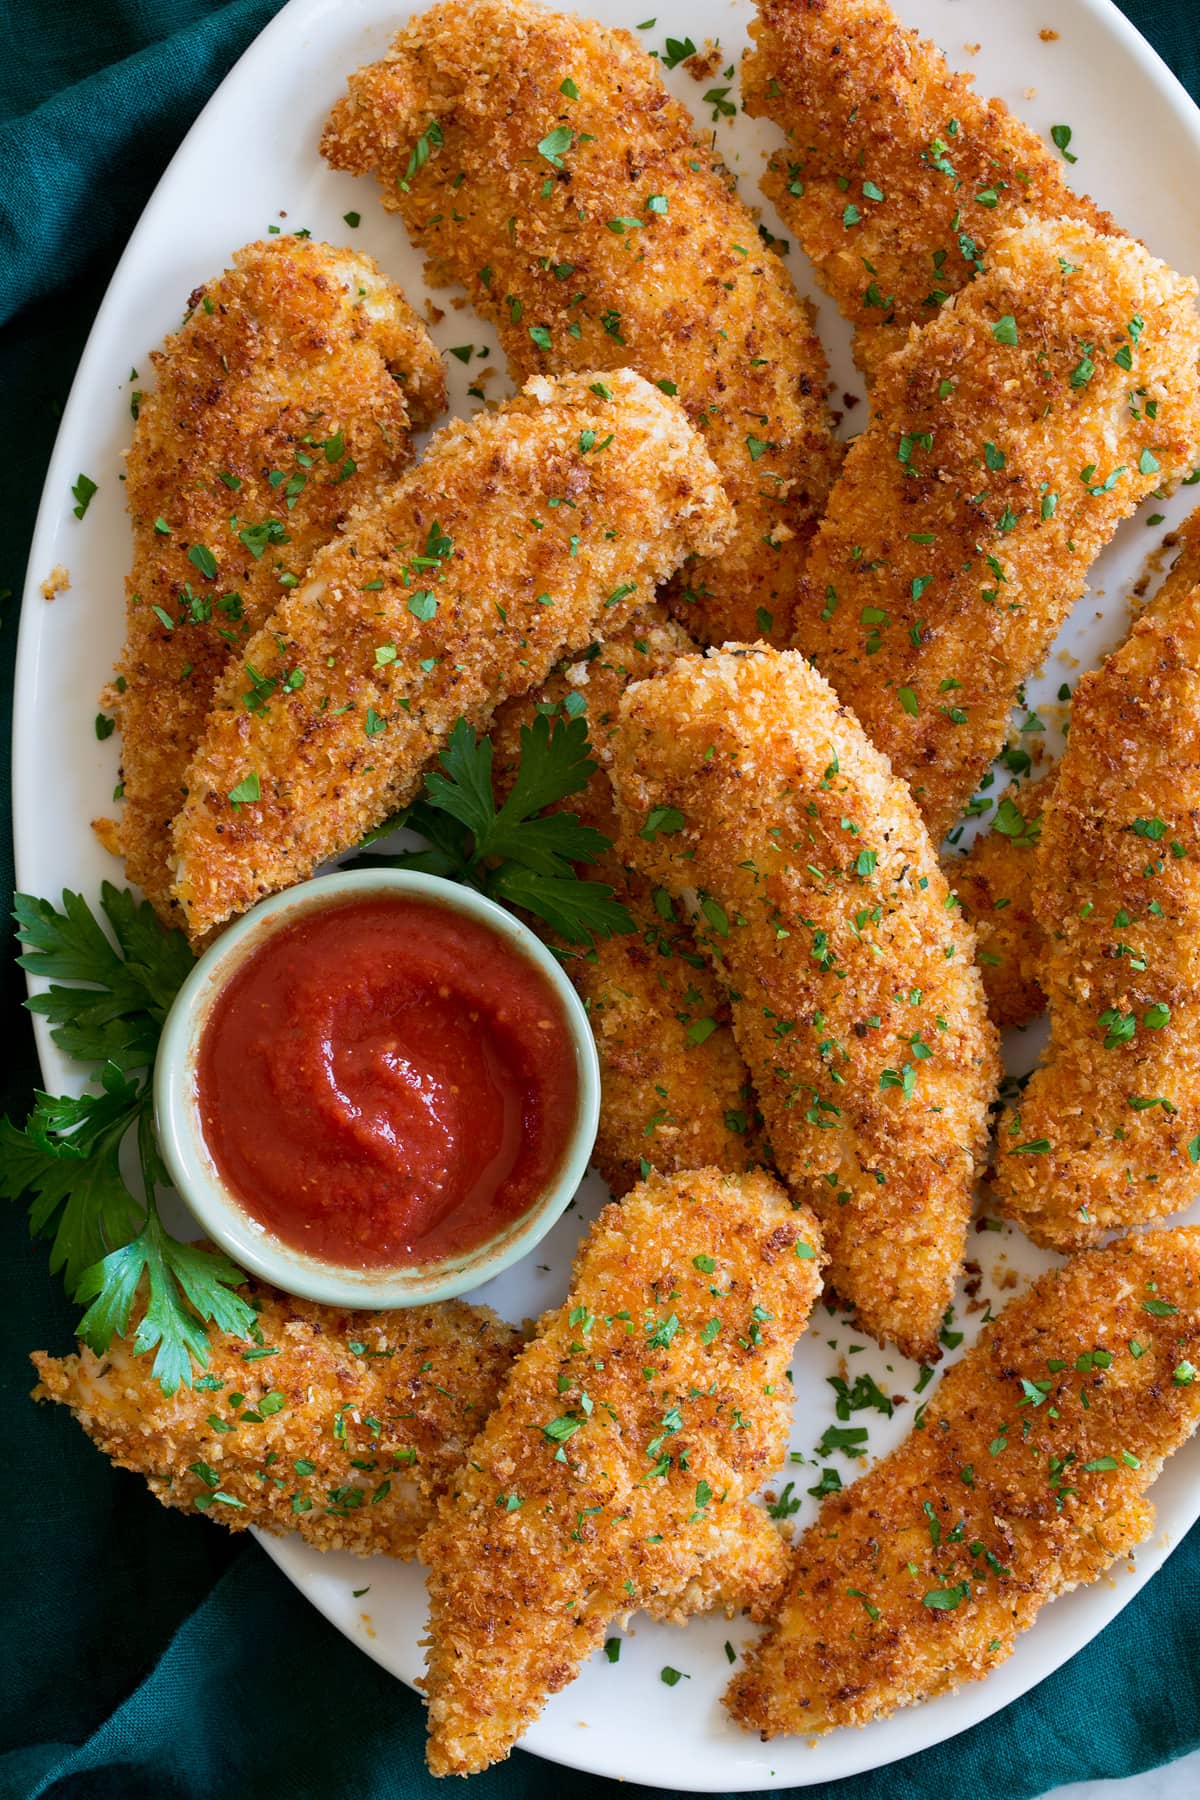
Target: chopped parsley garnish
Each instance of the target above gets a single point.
(677, 51)
(429, 141)
(246, 791)
(1060, 136)
(555, 145)
(82, 493)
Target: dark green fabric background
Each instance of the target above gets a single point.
(145, 1653)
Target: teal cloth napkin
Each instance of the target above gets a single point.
(149, 1654)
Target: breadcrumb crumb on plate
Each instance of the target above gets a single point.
(57, 582)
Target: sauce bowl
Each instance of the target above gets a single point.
(224, 1216)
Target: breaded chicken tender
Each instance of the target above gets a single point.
(856, 1002)
(1107, 1132)
(1184, 573)
(614, 1474)
(994, 883)
(675, 1092)
(1009, 439)
(896, 177)
(1027, 1478)
(537, 159)
(995, 879)
(288, 396)
(506, 547)
(341, 1426)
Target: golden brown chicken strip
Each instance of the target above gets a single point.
(856, 1002)
(1009, 440)
(288, 396)
(1184, 573)
(537, 159)
(1027, 1477)
(995, 879)
(896, 177)
(1107, 1132)
(507, 546)
(994, 883)
(341, 1426)
(614, 1472)
(675, 1092)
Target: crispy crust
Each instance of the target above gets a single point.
(694, 309)
(339, 753)
(671, 1096)
(936, 584)
(994, 882)
(822, 962)
(380, 1429)
(861, 97)
(542, 1543)
(292, 345)
(993, 1492)
(1120, 839)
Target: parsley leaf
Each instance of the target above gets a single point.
(518, 852)
(107, 1002)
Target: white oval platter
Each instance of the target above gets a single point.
(250, 163)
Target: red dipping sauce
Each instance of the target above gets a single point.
(385, 1082)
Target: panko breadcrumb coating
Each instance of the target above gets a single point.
(613, 1474)
(675, 1092)
(1107, 1132)
(537, 159)
(1027, 1478)
(896, 177)
(856, 1002)
(994, 882)
(288, 396)
(463, 585)
(341, 1426)
(1009, 439)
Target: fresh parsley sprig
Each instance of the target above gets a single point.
(107, 1002)
(515, 852)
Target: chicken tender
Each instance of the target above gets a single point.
(994, 883)
(675, 1092)
(1027, 1478)
(896, 177)
(856, 1002)
(1008, 441)
(613, 1475)
(288, 396)
(995, 879)
(1107, 1132)
(464, 585)
(1184, 574)
(537, 159)
(341, 1426)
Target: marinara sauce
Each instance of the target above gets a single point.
(385, 1081)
